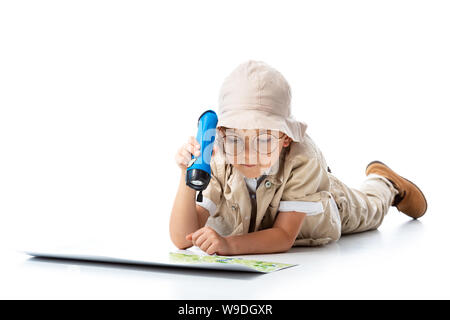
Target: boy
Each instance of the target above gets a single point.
(270, 186)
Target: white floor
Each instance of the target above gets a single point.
(403, 259)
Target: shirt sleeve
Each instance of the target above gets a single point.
(302, 192)
(212, 195)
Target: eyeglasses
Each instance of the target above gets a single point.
(263, 143)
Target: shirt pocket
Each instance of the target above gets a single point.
(232, 217)
(220, 225)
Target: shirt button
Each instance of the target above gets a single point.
(268, 184)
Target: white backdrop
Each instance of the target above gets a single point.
(97, 96)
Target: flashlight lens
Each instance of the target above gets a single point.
(197, 182)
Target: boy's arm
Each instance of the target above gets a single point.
(186, 216)
(279, 238)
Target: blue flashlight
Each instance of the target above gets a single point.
(199, 170)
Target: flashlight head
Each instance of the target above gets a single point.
(197, 179)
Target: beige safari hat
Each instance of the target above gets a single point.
(256, 96)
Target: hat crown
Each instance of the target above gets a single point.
(255, 85)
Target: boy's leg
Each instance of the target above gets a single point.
(363, 208)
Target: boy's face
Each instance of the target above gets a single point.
(252, 151)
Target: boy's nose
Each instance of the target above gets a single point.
(251, 157)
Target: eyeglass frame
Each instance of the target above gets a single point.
(252, 143)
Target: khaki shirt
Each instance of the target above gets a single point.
(301, 183)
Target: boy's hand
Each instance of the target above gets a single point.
(185, 152)
(210, 241)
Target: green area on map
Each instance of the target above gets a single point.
(262, 266)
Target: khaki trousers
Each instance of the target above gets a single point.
(362, 208)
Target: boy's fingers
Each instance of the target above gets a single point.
(200, 240)
(192, 140)
(186, 154)
(211, 249)
(189, 236)
(182, 160)
(192, 150)
(205, 245)
(188, 147)
(197, 234)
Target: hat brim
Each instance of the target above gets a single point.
(259, 119)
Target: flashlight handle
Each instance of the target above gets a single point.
(206, 134)
(198, 173)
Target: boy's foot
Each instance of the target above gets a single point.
(410, 200)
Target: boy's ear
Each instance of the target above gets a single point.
(221, 130)
(287, 141)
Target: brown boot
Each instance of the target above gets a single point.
(410, 200)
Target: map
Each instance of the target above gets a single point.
(257, 265)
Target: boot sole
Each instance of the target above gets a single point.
(426, 203)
